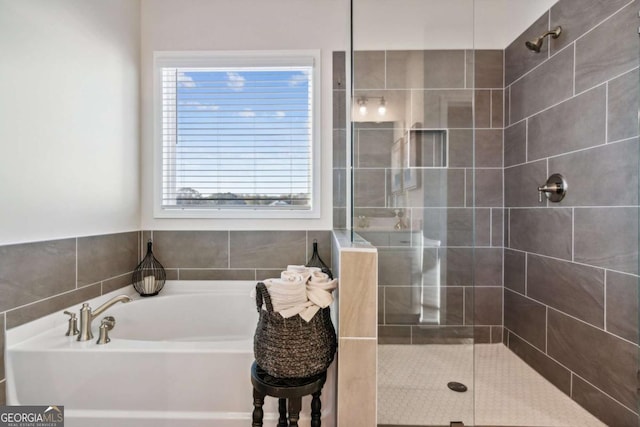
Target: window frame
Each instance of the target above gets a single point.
(272, 58)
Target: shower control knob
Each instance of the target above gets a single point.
(555, 188)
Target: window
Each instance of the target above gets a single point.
(237, 134)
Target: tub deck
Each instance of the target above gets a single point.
(182, 358)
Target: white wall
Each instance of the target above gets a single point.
(69, 118)
(69, 104)
(442, 24)
(241, 25)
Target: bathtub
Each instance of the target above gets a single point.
(181, 358)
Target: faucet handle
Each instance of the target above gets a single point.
(555, 188)
(73, 324)
(110, 321)
(105, 326)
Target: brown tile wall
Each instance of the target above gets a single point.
(339, 142)
(571, 268)
(235, 255)
(37, 279)
(434, 89)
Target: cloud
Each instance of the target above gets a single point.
(298, 79)
(247, 113)
(235, 81)
(200, 106)
(185, 81)
(208, 107)
(280, 114)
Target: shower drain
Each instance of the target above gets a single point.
(459, 387)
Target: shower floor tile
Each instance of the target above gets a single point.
(412, 389)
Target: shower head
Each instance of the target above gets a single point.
(536, 44)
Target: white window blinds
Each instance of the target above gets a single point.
(237, 137)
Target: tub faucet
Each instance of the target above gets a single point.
(86, 315)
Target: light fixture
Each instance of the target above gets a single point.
(382, 108)
(362, 102)
(362, 105)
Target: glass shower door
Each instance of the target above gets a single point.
(412, 122)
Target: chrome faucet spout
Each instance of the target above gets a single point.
(120, 298)
(87, 315)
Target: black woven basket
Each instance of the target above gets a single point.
(292, 348)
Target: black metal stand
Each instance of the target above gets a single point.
(289, 392)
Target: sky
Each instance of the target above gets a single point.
(242, 130)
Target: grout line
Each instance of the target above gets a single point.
(546, 329)
(49, 298)
(606, 112)
(385, 69)
(573, 74)
(573, 96)
(541, 64)
(571, 372)
(76, 263)
(490, 109)
(464, 307)
(526, 273)
(547, 203)
(384, 305)
(573, 234)
(574, 318)
(510, 104)
(526, 140)
(466, 77)
(569, 261)
(576, 40)
(571, 384)
(604, 299)
(491, 227)
(411, 334)
(359, 338)
(508, 229)
(579, 150)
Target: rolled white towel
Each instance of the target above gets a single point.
(302, 276)
(297, 268)
(288, 294)
(308, 313)
(300, 290)
(319, 289)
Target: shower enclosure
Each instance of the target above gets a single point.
(460, 111)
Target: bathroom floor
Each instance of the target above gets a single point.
(412, 389)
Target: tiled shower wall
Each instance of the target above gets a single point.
(339, 142)
(37, 279)
(571, 268)
(433, 89)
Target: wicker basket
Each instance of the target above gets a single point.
(292, 348)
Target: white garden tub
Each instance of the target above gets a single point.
(181, 358)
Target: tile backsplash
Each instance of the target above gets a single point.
(37, 279)
(234, 255)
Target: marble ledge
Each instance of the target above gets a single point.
(344, 243)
